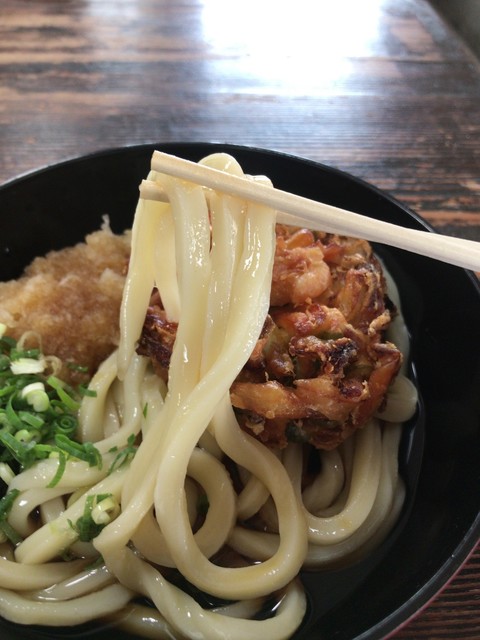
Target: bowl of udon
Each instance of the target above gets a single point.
(216, 422)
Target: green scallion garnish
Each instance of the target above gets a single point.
(6, 504)
(38, 412)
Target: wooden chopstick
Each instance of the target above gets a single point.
(301, 211)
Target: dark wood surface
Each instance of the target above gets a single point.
(380, 88)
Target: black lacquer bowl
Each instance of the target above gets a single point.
(440, 458)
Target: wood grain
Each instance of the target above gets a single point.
(382, 89)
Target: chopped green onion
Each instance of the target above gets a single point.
(85, 391)
(77, 367)
(17, 354)
(7, 343)
(36, 396)
(24, 435)
(43, 451)
(11, 414)
(31, 419)
(62, 463)
(85, 526)
(10, 533)
(38, 413)
(65, 424)
(124, 455)
(27, 365)
(6, 473)
(6, 504)
(86, 451)
(61, 390)
(23, 453)
(105, 511)
(7, 390)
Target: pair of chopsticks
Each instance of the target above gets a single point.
(300, 211)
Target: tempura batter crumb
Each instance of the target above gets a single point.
(71, 298)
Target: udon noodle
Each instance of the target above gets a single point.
(210, 256)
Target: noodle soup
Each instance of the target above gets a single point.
(246, 426)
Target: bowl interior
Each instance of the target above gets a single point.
(58, 206)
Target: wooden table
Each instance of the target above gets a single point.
(380, 88)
